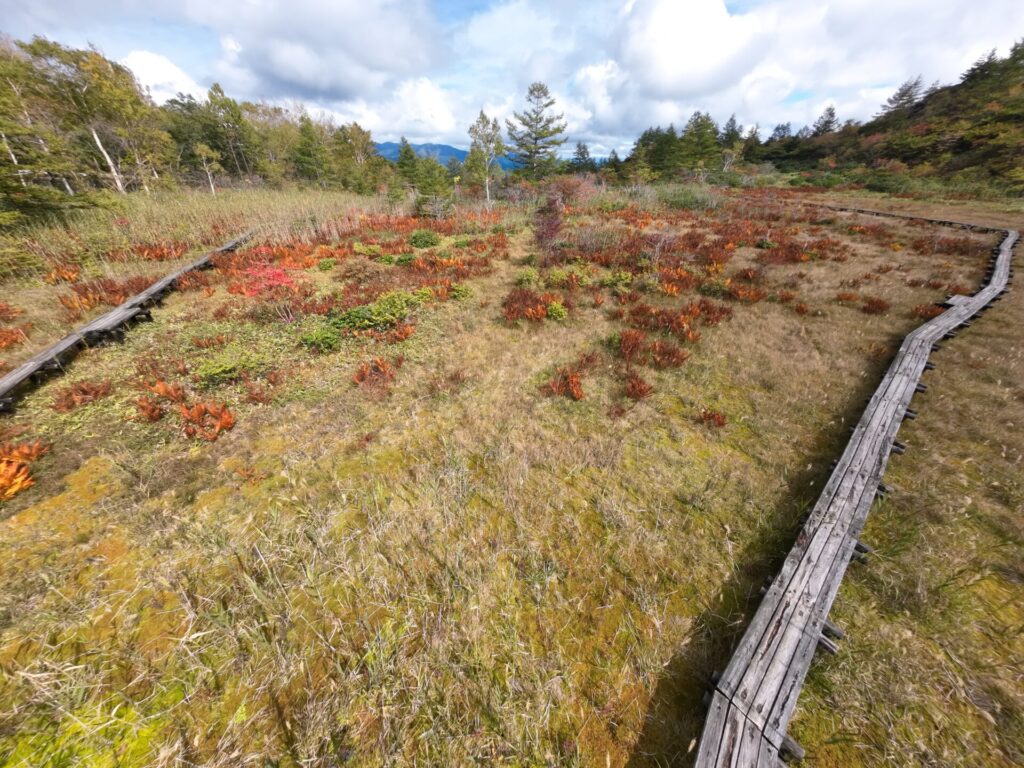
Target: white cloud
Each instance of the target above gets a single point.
(616, 66)
(161, 76)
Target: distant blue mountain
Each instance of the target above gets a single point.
(440, 152)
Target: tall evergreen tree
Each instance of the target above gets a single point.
(698, 145)
(732, 132)
(582, 162)
(536, 134)
(827, 123)
(407, 162)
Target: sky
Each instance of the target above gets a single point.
(424, 69)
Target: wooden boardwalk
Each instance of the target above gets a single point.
(753, 701)
(108, 326)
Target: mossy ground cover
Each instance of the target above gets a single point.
(451, 564)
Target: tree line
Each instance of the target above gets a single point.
(73, 123)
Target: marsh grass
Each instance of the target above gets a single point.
(460, 570)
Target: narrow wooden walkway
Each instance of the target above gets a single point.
(110, 325)
(753, 701)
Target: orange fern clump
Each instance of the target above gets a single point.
(665, 354)
(9, 313)
(149, 409)
(14, 478)
(206, 420)
(378, 373)
(800, 308)
(928, 311)
(712, 418)
(637, 388)
(401, 332)
(26, 452)
(80, 393)
(11, 336)
(173, 392)
(208, 342)
(568, 380)
(786, 296)
(631, 346)
(847, 297)
(62, 273)
(872, 305)
(14, 471)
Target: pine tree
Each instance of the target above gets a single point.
(582, 162)
(827, 123)
(906, 96)
(731, 132)
(536, 134)
(699, 143)
(407, 162)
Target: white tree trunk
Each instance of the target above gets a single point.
(14, 159)
(118, 181)
(209, 178)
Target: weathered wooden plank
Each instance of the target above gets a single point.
(756, 696)
(14, 382)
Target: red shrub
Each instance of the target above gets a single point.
(378, 373)
(149, 409)
(8, 313)
(800, 308)
(637, 388)
(872, 305)
(522, 303)
(568, 380)
(206, 420)
(665, 354)
(631, 346)
(927, 311)
(712, 418)
(80, 393)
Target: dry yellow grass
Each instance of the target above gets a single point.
(462, 571)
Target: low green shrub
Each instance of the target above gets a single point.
(424, 238)
(386, 312)
(323, 338)
(326, 265)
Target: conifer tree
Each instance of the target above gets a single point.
(536, 134)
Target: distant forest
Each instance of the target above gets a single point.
(75, 126)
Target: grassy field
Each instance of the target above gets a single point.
(494, 489)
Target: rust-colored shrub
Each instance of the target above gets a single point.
(80, 393)
(149, 409)
(712, 418)
(208, 342)
(8, 312)
(847, 297)
(800, 308)
(927, 311)
(568, 380)
(14, 466)
(378, 373)
(665, 354)
(785, 296)
(168, 391)
(206, 420)
(522, 303)
(62, 273)
(636, 387)
(872, 305)
(632, 346)
(12, 336)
